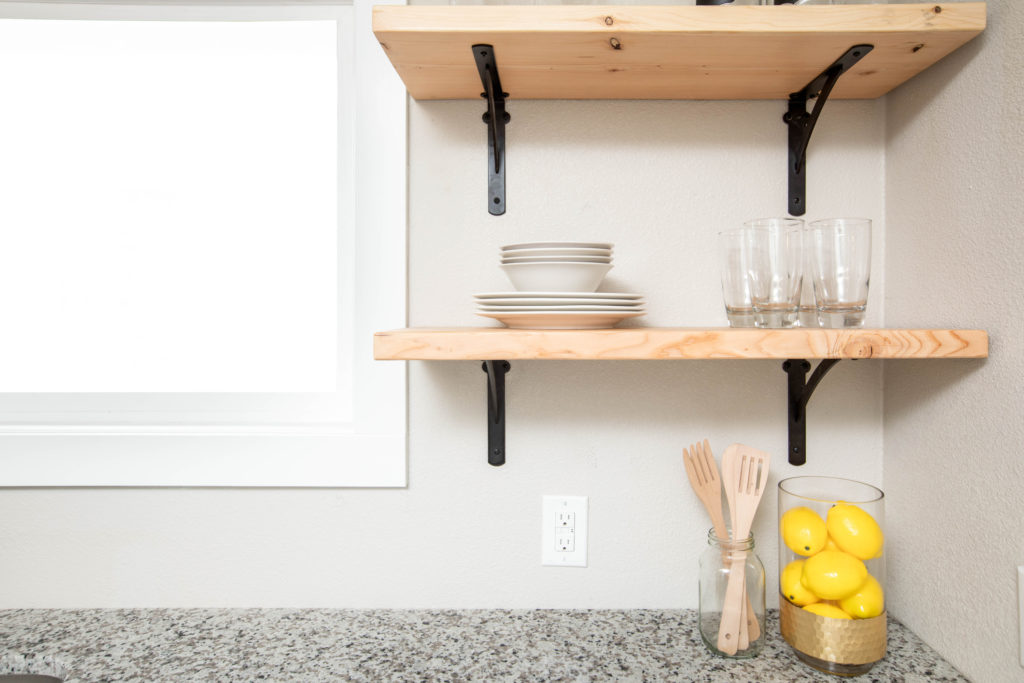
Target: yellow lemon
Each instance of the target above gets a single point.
(803, 531)
(825, 610)
(833, 574)
(867, 602)
(855, 531)
(830, 544)
(791, 587)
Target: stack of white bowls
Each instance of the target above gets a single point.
(555, 288)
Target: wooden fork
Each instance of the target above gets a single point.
(745, 474)
(703, 474)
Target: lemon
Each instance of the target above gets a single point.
(833, 574)
(791, 587)
(803, 531)
(825, 610)
(855, 531)
(867, 602)
(830, 544)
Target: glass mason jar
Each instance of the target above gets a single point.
(723, 559)
(832, 572)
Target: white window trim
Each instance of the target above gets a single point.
(370, 453)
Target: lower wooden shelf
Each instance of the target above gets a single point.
(668, 343)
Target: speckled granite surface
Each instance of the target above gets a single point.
(385, 645)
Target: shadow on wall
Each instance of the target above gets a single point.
(611, 126)
(911, 385)
(685, 400)
(930, 84)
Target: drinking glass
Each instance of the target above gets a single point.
(736, 252)
(808, 309)
(841, 268)
(777, 270)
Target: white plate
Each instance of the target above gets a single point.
(557, 295)
(560, 301)
(558, 259)
(558, 245)
(562, 321)
(509, 253)
(548, 309)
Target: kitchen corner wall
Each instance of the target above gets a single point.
(954, 432)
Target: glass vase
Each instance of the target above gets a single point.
(832, 573)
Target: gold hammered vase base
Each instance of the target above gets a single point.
(847, 647)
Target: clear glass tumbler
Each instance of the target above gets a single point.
(717, 563)
(832, 572)
(808, 309)
(777, 270)
(736, 259)
(840, 257)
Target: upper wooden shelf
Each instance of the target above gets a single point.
(664, 343)
(667, 52)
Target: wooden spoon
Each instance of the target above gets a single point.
(703, 475)
(745, 474)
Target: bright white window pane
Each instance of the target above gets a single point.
(168, 206)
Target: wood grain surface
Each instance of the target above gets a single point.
(668, 52)
(663, 343)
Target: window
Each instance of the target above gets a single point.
(202, 223)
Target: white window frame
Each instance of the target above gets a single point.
(368, 452)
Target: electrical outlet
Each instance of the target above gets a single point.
(564, 531)
(1020, 610)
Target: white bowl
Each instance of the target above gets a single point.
(556, 276)
(555, 252)
(556, 259)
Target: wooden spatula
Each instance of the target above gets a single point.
(744, 475)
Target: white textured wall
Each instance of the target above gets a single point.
(954, 432)
(658, 179)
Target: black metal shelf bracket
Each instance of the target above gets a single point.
(495, 117)
(801, 122)
(496, 370)
(800, 390)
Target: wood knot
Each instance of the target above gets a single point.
(614, 42)
(609, 21)
(858, 348)
(937, 9)
(917, 47)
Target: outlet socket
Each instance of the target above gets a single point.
(564, 531)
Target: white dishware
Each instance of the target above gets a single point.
(562, 320)
(548, 309)
(557, 259)
(559, 301)
(559, 245)
(581, 251)
(558, 275)
(557, 295)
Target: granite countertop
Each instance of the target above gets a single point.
(170, 645)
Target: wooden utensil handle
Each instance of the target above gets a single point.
(753, 627)
(729, 629)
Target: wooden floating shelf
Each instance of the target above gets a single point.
(666, 343)
(668, 52)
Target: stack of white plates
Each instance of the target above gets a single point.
(560, 310)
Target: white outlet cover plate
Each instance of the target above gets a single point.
(550, 555)
(1020, 610)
